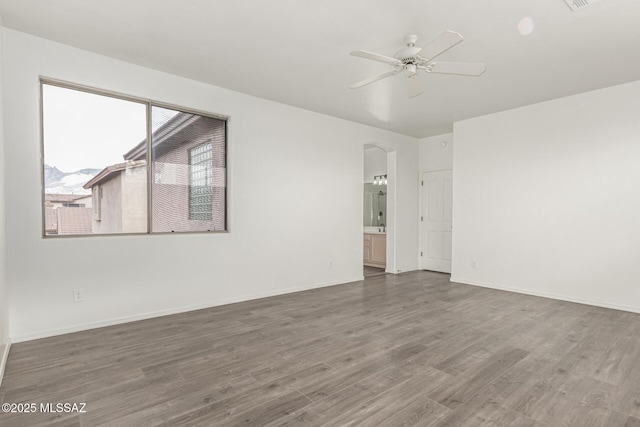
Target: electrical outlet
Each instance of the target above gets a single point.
(78, 295)
(474, 263)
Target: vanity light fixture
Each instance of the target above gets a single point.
(380, 180)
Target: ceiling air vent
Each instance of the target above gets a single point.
(580, 4)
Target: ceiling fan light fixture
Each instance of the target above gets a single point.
(410, 70)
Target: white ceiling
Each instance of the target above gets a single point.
(297, 52)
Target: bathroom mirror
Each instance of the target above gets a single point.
(375, 205)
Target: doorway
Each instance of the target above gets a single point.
(377, 211)
(436, 221)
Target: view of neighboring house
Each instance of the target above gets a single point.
(188, 187)
(119, 198)
(67, 214)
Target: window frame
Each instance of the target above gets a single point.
(149, 104)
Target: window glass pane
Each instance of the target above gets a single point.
(90, 186)
(189, 172)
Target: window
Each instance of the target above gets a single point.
(95, 200)
(200, 182)
(100, 150)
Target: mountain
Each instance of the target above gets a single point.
(58, 182)
(52, 174)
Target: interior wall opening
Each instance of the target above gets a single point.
(375, 210)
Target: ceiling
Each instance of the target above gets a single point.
(297, 52)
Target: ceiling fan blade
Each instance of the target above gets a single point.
(376, 57)
(374, 79)
(414, 87)
(440, 44)
(462, 68)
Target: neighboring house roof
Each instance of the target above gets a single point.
(163, 135)
(63, 198)
(74, 220)
(112, 171)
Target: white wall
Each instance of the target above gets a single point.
(281, 239)
(436, 153)
(547, 200)
(375, 163)
(4, 294)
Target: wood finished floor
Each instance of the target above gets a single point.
(394, 350)
(372, 271)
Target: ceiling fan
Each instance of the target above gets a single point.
(411, 59)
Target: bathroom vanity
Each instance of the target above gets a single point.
(375, 247)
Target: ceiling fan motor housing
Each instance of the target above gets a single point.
(408, 54)
(409, 59)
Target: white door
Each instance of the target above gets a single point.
(436, 221)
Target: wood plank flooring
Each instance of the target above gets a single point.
(393, 350)
(372, 271)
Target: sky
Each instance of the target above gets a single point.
(84, 130)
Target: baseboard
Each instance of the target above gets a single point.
(3, 361)
(398, 271)
(546, 295)
(152, 314)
